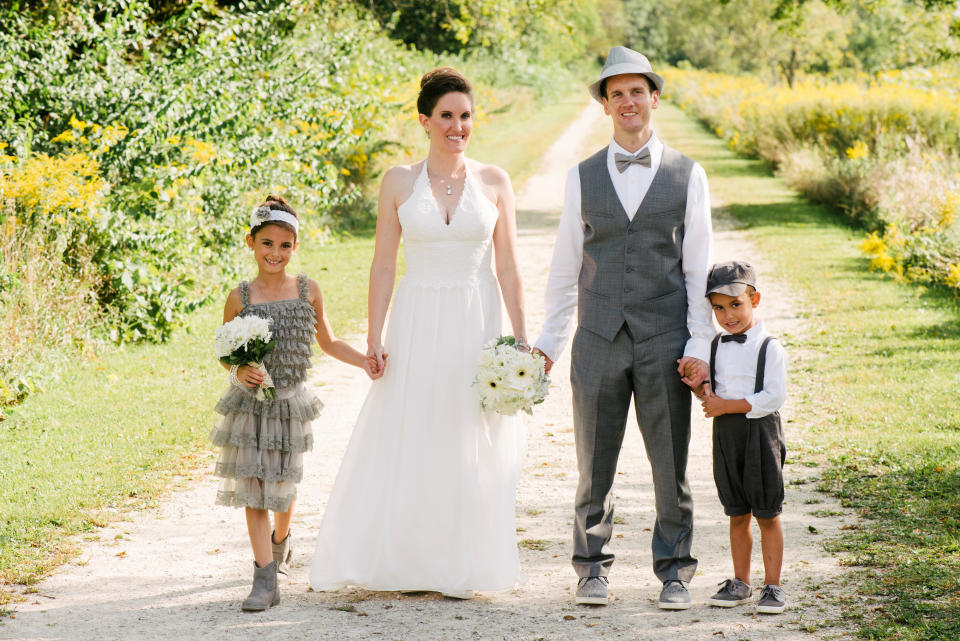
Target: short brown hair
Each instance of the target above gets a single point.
(437, 83)
(276, 202)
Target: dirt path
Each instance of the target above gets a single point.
(179, 572)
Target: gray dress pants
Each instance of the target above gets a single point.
(604, 375)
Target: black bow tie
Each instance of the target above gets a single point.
(736, 338)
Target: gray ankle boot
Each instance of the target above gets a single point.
(265, 592)
(282, 553)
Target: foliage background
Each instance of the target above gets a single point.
(140, 133)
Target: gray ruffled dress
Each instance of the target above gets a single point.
(262, 442)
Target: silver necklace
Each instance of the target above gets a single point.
(449, 185)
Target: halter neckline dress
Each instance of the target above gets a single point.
(424, 499)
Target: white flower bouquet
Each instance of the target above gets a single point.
(510, 380)
(245, 340)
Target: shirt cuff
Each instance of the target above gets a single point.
(698, 348)
(756, 402)
(548, 345)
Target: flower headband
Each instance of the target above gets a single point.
(264, 214)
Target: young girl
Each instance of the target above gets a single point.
(262, 442)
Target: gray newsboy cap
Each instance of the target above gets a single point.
(621, 60)
(731, 278)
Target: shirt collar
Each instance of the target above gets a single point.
(654, 144)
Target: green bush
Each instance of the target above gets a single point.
(192, 122)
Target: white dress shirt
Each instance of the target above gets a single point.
(631, 187)
(736, 370)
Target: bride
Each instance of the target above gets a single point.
(424, 499)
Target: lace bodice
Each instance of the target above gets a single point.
(441, 253)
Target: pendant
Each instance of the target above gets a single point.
(449, 190)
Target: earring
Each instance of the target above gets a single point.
(427, 131)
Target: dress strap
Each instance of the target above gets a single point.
(304, 286)
(245, 292)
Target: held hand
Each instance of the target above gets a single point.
(249, 375)
(693, 370)
(547, 363)
(375, 351)
(703, 391)
(713, 406)
(371, 368)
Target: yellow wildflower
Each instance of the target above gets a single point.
(873, 245)
(953, 276)
(77, 124)
(858, 151)
(66, 136)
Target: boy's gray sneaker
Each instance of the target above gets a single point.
(674, 596)
(592, 590)
(772, 600)
(732, 592)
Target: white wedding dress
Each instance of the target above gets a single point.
(424, 499)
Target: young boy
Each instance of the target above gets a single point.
(746, 389)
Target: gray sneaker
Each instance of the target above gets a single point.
(592, 590)
(732, 592)
(674, 596)
(772, 600)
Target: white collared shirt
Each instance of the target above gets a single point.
(631, 187)
(736, 371)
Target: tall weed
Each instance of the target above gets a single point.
(883, 151)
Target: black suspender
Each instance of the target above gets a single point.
(761, 363)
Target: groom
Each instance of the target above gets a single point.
(631, 256)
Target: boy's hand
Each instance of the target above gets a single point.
(703, 391)
(713, 406)
(693, 371)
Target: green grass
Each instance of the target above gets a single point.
(117, 432)
(875, 375)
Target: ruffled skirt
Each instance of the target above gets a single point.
(262, 445)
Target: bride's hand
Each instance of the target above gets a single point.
(377, 358)
(371, 368)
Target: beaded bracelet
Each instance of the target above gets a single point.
(233, 376)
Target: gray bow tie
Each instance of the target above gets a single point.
(623, 160)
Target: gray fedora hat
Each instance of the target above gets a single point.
(621, 60)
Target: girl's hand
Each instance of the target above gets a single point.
(375, 352)
(371, 368)
(249, 375)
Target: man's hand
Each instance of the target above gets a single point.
(693, 371)
(703, 391)
(547, 363)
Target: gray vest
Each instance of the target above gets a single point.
(633, 270)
